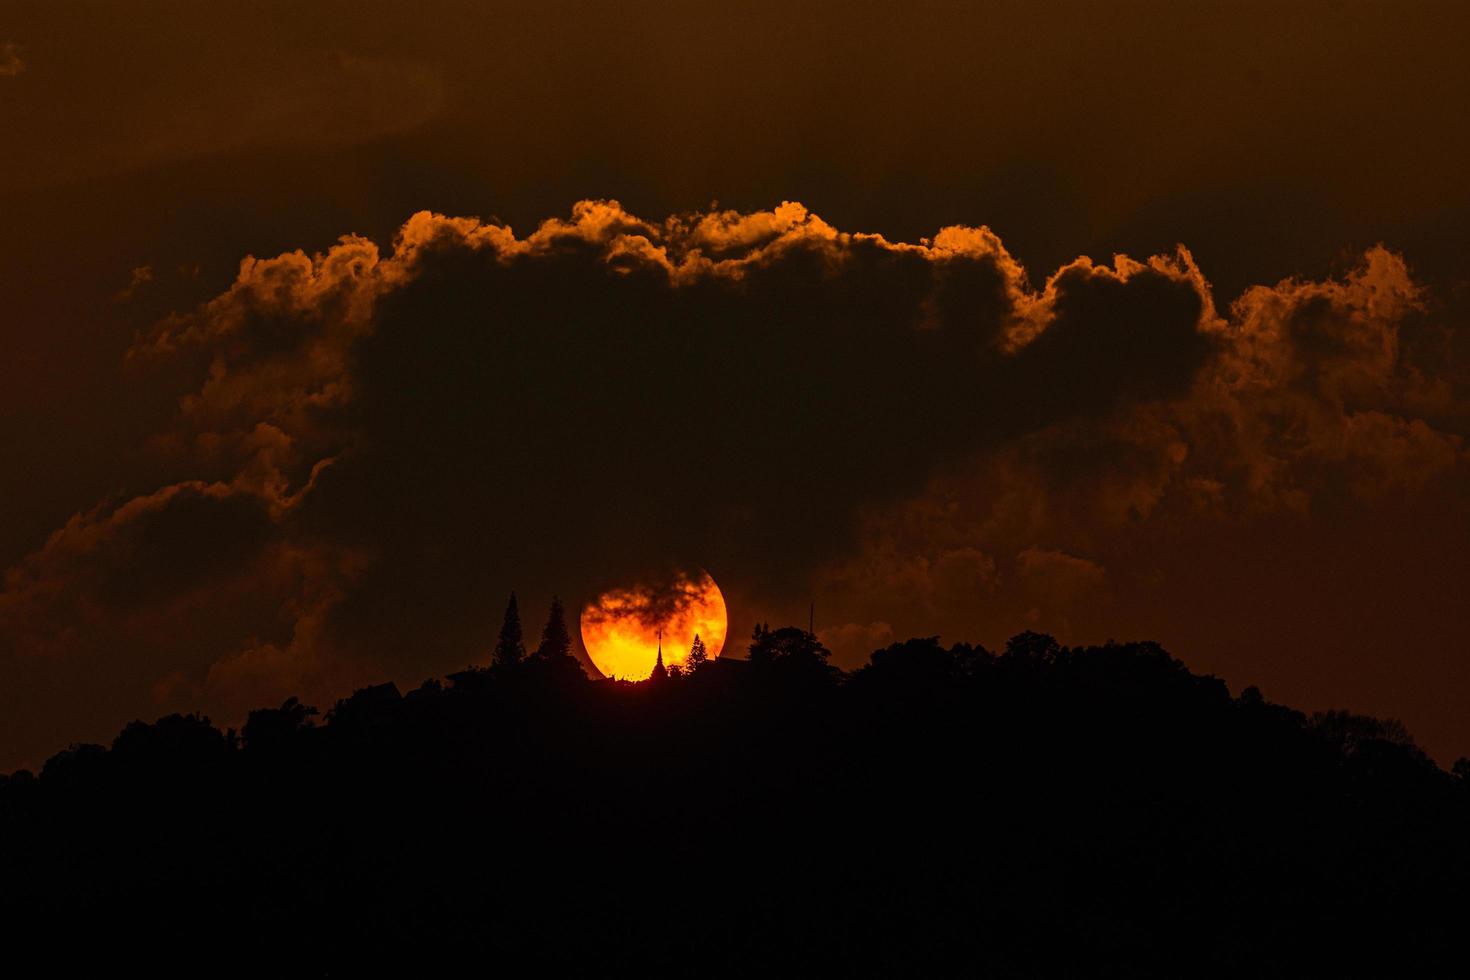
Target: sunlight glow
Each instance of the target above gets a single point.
(620, 628)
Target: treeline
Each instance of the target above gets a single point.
(1039, 810)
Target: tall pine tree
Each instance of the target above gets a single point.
(698, 656)
(509, 649)
(555, 640)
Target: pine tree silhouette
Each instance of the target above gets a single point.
(556, 642)
(698, 655)
(509, 649)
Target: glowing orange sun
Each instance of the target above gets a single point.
(620, 628)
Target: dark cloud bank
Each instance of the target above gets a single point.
(378, 447)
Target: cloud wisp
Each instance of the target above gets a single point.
(11, 64)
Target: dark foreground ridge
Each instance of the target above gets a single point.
(1045, 811)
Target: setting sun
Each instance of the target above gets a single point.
(621, 628)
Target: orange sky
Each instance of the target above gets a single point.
(625, 630)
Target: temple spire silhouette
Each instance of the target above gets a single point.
(659, 672)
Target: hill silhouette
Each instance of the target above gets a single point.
(1037, 811)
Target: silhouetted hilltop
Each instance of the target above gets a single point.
(1044, 810)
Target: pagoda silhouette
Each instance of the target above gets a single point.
(659, 672)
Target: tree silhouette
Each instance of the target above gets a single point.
(760, 643)
(556, 642)
(1030, 646)
(271, 728)
(510, 649)
(698, 656)
(947, 783)
(788, 644)
(184, 740)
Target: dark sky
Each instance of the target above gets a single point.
(228, 483)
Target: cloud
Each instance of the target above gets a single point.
(129, 608)
(1056, 575)
(10, 60)
(678, 384)
(388, 442)
(652, 603)
(303, 98)
(140, 277)
(1317, 396)
(1315, 382)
